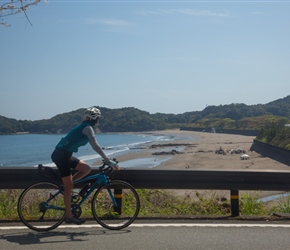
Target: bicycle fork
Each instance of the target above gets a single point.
(117, 199)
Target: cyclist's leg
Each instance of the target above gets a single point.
(83, 170)
(65, 162)
(68, 187)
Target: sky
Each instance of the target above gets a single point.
(158, 56)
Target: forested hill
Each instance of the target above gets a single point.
(231, 116)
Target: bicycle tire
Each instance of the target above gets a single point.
(31, 207)
(106, 213)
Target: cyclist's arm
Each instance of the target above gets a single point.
(89, 132)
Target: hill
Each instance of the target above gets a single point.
(232, 116)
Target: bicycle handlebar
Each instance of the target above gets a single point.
(105, 168)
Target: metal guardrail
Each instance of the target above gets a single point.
(276, 153)
(232, 180)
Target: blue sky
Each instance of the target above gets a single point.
(157, 56)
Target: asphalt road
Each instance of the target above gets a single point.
(153, 235)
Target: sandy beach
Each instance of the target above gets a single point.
(197, 151)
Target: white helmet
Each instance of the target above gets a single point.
(92, 113)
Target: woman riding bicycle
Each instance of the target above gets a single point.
(65, 162)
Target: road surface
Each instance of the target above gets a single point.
(153, 235)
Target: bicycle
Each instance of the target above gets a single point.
(115, 204)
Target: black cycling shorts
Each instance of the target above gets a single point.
(64, 161)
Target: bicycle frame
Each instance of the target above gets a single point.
(100, 178)
(115, 204)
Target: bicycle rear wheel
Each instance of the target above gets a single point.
(34, 206)
(116, 217)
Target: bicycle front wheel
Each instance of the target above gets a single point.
(41, 206)
(123, 213)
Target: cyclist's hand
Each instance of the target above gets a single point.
(114, 165)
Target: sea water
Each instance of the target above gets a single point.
(33, 149)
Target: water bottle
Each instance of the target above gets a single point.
(84, 190)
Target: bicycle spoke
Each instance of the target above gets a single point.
(119, 215)
(34, 207)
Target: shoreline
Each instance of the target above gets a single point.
(197, 151)
(200, 155)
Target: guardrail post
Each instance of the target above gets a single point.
(235, 203)
(118, 193)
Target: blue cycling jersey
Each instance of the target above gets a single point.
(74, 139)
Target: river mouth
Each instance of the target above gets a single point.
(273, 197)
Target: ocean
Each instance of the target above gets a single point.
(33, 149)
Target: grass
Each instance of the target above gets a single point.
(165, 203)
(249, 205)
(283, 205)
(8, 204)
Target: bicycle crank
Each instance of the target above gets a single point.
(76, 210)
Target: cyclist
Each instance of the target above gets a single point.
(63, 157)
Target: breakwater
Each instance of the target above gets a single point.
(223, 131)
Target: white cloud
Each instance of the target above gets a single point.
(191, 12)
(188, 59)
(115, 22)
(109, 22)
(257, 13)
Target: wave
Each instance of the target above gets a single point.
(31, 150)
